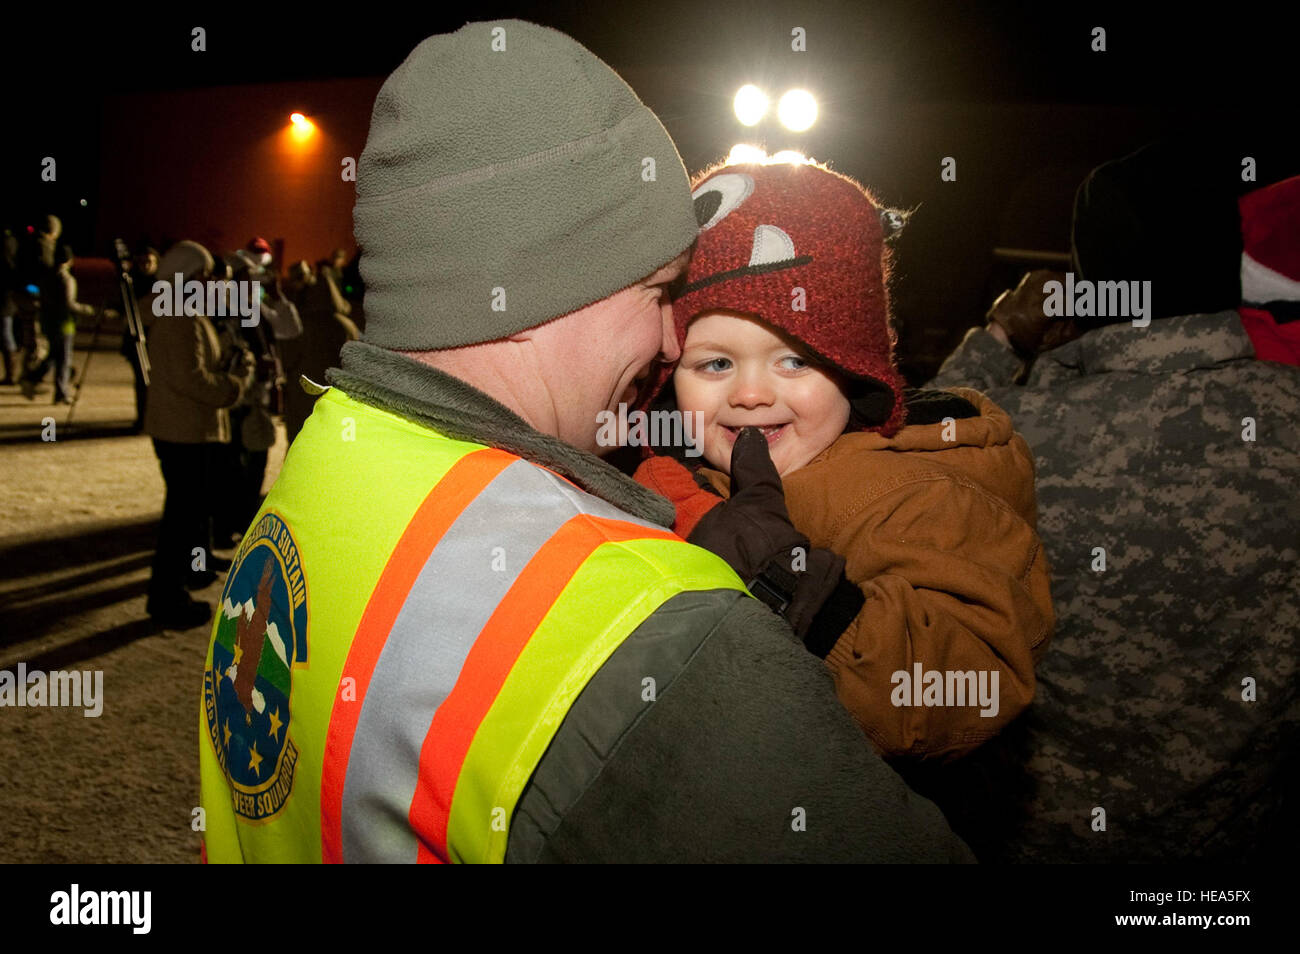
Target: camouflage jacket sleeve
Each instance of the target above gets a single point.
(1167, 713)
(980, 361)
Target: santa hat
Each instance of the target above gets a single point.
(1270, 270)
(803, 249)
(1270, 233)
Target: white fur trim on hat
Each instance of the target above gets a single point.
(1260, 284)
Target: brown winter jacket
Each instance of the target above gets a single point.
(939, 534)
(189, 390)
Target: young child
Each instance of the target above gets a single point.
(784, 325)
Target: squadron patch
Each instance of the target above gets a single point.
(261, 637)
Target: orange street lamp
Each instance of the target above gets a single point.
(302, 126)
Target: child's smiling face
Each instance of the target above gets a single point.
(738, 372)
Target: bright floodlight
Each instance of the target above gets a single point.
(750, 104)
(797, 110)
(743, 152)
(791, 156)
(298, 119)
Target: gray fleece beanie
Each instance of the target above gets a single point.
(509, 177)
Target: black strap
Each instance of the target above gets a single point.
(774, 585)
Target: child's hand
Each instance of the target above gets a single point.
(752, 526)
(752, 531)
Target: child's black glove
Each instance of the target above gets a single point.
(752, 531)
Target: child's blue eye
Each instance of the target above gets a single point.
(712, 365)
(799, 362)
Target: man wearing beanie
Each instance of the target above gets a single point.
(454, 633)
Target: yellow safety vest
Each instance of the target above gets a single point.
(402, 632)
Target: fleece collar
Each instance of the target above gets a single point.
(393, 382)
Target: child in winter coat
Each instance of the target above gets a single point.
(784, 325)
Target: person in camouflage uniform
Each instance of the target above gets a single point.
(1167, 474)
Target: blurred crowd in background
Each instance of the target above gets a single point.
(208, 386)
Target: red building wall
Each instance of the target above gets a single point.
(220, 165)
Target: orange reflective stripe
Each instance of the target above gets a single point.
(489, 662)
(439, 510)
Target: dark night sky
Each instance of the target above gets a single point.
(1011, 89)
(959, 50)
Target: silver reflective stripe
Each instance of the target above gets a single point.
(584, 502)
(452, 599)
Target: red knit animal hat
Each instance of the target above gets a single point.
(801, 248)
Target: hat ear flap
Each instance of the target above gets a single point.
(871, 404)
